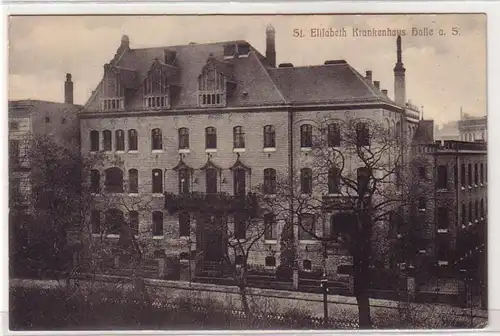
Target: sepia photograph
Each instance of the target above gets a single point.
(247, 172)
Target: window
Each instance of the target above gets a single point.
(442, 177)
(156, 139)
(239, 226)
(63, 120)
(462, 174)
(269, 137)
(47, 119)
(134, 222)
(422, 203)
(239, 177)
(469, 175)
(95, 181)
(464, 214)
(95, 221)
(307, 265)
(306, 136)
(184, 181)
(340, 223)
(269, 227)
(157, 181)
(13, 126)
(442, 218)
(362, 134)
(470, 212)
(183, 138)
(363, 174)
(239, 260)
(269, 181)
(482, 208)
(306, 227)
(476, 174)
(106, 135)
(455, 175)
(238, 137)
(156, 101)
(114, 221)
(306, 181)
(210, 138)
(132, 140)
(112, 104)
(94, 141)
(14, 152)
(211, 182)
(476, 209)
(156, 89)
(333, 135)
(481, 172)
(270, 261)
(421, 172)
(184, 224)
(211, 87)
(334, 181)
(120, 140)
(114, 180)
(157, 223)
(133, 181)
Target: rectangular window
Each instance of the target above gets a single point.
(95, 221)
(362, 135)
(442, 177)
(156, 139)
(211, 182)
(239, 182)
(422, 204)
(95, 181)
(106, 135)
(94, 141)
(333, 135)
(184, 224)
(306, 227)
(184, 181)
(14, 152)
(333, 181)
(239, 226)
(442, 218)
(133, 176)
(421, 172)
(269, 137)
(469, 174)
(269, 227)
(306, 136)
(306, 181)
(463, 173)
(476, 174)
(183, 138)
(269, 181)
(238, 137)
(132, 140)
(157, 223)
(157, 181)
(210, 138)
(134, 222)
(481, 173)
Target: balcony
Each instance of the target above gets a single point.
(221, 203)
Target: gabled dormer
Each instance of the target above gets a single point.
(116, 87)
(215, 83)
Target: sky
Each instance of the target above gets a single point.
(443, 73)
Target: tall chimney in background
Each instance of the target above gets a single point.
(377, 84)
(399, 77)
(270, 45)
(368, 76)
(68, 90)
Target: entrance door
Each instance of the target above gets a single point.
(210, 239)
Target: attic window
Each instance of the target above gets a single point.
(156, 89)
(211, 88)
(112, 92)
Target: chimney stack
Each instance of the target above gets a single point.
(399, 76)
(377, 84)
(384, 91)
(68, 90)
(369, 75)
(271, 45)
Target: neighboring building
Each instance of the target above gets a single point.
(31, 118)
(213, 118)
(447, 131)
(473, 128)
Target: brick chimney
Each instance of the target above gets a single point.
(377, 84)
(271, 45)
(384, 91)
(68, 90)
(399, 76)
(368, 76)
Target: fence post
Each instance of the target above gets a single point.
(295, 279)
(161, 268)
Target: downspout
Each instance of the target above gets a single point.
(291, 171)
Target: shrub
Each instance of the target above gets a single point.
(284, 273)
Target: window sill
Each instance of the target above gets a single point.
(421, 210)
(307, 241)
(305, 149)
(442, 263)
(475, 185)
(136, 194)
(442, 190)
(94, 152)
(269, 267)
(157, 151)
(269, 149)
(184, 150)
(270, 241)
(112, 236)
(157, 195)
(133, 151)
(422, 251)
(211, 150)
(157, 237)
(469, 187)
(120, 152)
(462, 188)
(269, 195)
(108, 152)
(442, 230)
(239, 150)
(302, 195)
(334, 194)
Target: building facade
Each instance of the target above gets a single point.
(219, 118)
(473, 128)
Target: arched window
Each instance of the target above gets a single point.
(94, 141)
(133, 181)
(307, 265)
(333, 180)
(95, 181)
(306, 136)
(238, 137)
(306, 180)
(114, 180)
(157, 223)
(132, 140)
(106, 136)
(306, 226)
(362, 134)
(120, 140)
(269, 181)
(269, 137)
(156, 139)
(95, 221)
(239, 182)
(333, 135)
(270, 261)
(114, 221)
(269, 226)
(157, 181)
(210, 138)
(211, 181)
(134, 222)
(183, 138)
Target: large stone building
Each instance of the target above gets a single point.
(473, 128)
(35, 118)
(218, 117)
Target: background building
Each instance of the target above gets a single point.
(472, 128)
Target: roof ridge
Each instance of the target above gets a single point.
(188, 45)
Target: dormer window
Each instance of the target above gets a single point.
(113, 92)
(156, 89)
(211, 88)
